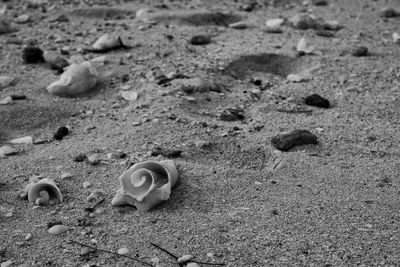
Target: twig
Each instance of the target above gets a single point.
(110, 252)
(166, 251)
(176, 257)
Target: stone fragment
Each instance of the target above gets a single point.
(7, 100)
(317, 101)
(32, 54)
(389, 12)
(58, 229)
(200, 39)
(5, 81)
(7, 151)
(168, 153)
(123, 251)
(287, 140)
(60, 133)
(240, 25)
(232, 115)
(359, 51)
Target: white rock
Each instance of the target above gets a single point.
(23, 140)
(66, 175)
(5, 101)
(58, 229)
(130, 95)
(5, 27)
(22, 18)
(7, 150)
(86, 184)
(185, 258)
(303, 46)
(193, 264)
(5, 81)
(77, 79)
(396, 38)
(107, 41)
(101, 59)
(28, 236)
(274, 23)
(123, 251)
(296, 78)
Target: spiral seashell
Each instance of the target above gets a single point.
(42, 192)
(146, 184)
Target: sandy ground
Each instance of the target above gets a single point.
(333, 204)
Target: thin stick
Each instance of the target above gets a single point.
(166, 251)
(110, 252)
(175, 257)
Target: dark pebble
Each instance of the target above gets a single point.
(59, 64)
(18, 97)
(80, 157)
(232, 115)
(166, 153)
(360, 51)
(390, 13)
(324, 33)
(320, 2)
(200, 39)
(61, 132)
(52, 223)
(32, 54)
(288, 140)
(316, 101)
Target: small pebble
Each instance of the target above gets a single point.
(23, 18)
(185, 258)
(8, 263)
(166, 152)
(80, 157)
(18, 97)
(86, 251)
(58, 229)
(287, 140)
(7, 100)
(320, 2)
(316, 101)
(396, 38)
(5, 81)
(7, 151)
(66, 175)
(200, 39)
(389, 12)
(94, 159)
(28, 236)
(193, 264)
(60, 133)
(123, 251)
(86, 184)
(359, 51)
(232, 115)
(32, 54)
(23, 140)
(324, 33)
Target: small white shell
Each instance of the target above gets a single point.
(146, 184)
(42, 192)
(77, 79)
(106, 42)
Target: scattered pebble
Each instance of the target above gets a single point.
(94, 159)
(23, 140)
(166, 152)
(28, 237)
(287, 140)
(325, 33)
(5, 81)
(86, 184)
(389, 12)
(58, 229)
(317, 101)
(32, 54)
(7, 151)
(80, 157)
(232, 115)
(296, 78)
(359, 51)
(130, 95)
(60, 133)
(200, 39)
(396, 38)
(123, 251)
(7, 100)
(303, 47)
(240, 25)
(185, 258)
(24, 18)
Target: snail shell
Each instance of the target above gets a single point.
(146, 184)
(43, 192)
